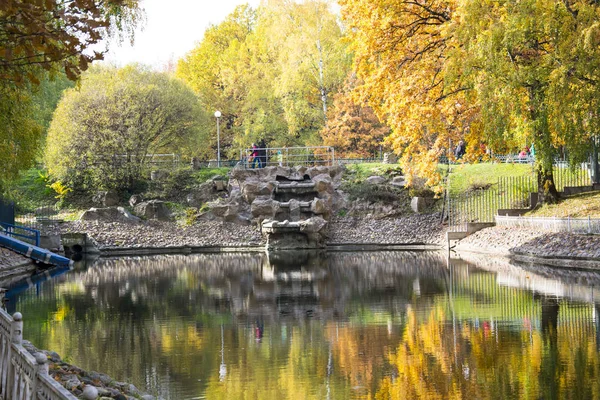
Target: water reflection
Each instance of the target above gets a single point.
(385, 325)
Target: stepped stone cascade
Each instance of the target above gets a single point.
(292, 205)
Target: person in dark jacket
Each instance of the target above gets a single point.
(262, 151)
(460, 150)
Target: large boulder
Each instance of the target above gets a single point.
(226, 211)
(153, 209)
(319, 207)
(242, 174)
(323, 183)
(398, 181)
(252, 188)
(375, 180)
(313, 225)
(418, 204)
(203, 194)
(314, 171)
(109, 214)
(264, 207)
(109, 198)
(135, 199)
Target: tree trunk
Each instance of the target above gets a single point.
(594, 167)
(322, 88)
(547, 192)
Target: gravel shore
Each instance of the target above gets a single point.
(533, 243)
(405, 230)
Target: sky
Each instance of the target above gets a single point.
(172, 28)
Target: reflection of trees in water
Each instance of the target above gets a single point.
(276, 285)
(158, 320)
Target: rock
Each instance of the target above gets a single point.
(398, 181)
(227, 211)
(90, 392)
(319, 207)
(264, 207)
(375, 180)
(71, 381)
(313, 225)
(418, 204)
(253, 188)
(243, 174)
(135, 199)
(109, 214)
(314, 171)
(108, 198)
(203, 194)
(153, 209)
(294, 209)
(323, 183)
(220, 185)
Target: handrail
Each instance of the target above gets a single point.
(11, 230)
(24, 376)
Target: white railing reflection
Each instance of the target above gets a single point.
(23, 376)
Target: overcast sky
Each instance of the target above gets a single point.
(172, 29)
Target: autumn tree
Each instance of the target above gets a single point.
(102, 134)
(40, 41)
(485, 71)
(55, 34)
(400, 56)
(532, 66)
(353, 128)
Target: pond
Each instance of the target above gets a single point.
(341, 325)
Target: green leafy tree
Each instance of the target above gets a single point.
(102, 133)
(19, 133)
(272, 72)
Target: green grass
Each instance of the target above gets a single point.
(577, 206)
(205, 174)
(360, 172)
(465, 177)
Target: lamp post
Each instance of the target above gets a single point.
(217, 116)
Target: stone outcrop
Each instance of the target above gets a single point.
(375, 180)
(153, 209)
(109, 198)
(301, 198)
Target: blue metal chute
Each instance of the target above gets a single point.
(34, 252)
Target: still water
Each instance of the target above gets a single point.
(373, 325)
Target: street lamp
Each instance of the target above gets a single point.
(217, 116)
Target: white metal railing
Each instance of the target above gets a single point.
(23, 376)
(553, 224)
(287, 156)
